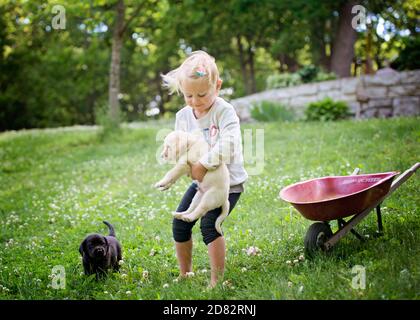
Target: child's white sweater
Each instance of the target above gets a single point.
(221, 129)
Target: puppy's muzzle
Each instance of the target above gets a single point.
(99, 252)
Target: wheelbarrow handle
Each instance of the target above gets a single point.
(404, 177)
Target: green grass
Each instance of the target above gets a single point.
(58, 185)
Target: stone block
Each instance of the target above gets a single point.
(282, 93)
(404, 90)
(329, 85)
(302, 101)
(386, 79)
(406, 106)
(412, 77)
(376, 92)
(304, 90)
(349, 85)
(377, 113)
(380, 103)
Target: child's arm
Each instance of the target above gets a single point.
(198, 171)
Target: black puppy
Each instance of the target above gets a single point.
(101, 253)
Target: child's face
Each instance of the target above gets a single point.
(199, 95)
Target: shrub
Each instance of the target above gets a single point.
(283, 80)
(271, 111)
(327, 110)
(308, 73)
(324, 76)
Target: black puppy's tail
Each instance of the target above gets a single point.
(111, 229)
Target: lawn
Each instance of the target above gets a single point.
(58, 185)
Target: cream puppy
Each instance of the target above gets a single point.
(184, 149)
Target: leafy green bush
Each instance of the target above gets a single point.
(282, 80)
(271, 111)
(324, 76)
(308, 73)
(327, 110)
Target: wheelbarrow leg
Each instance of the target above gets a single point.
(380, 231)
(342, 223)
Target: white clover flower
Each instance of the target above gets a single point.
(295, 261)
(190, 274)
(289, 284)
(301, 257)
(253, 251)
(128, 293)
(166, 285)
(227, 283)
(243, 269)
(145, 274)
(203, 271)
(288, 262)
(152, 252)
(121, 262)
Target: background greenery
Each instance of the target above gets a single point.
(53, 78)
(59, 184)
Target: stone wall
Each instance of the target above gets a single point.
(388, 93)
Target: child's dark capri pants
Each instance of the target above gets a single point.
(182, 230)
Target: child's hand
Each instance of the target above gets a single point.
(198, 171)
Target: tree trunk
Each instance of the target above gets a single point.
(369, 62)
(252, 84)
(291, 62)
(343, 46)
(324, 59)
(242, 63)
(114, 75)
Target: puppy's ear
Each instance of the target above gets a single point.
(181, 142)
(193, 137)
(106, 244)
(82, 248)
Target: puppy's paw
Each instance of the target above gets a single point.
(161, 185)
(187, 218)
(177, 215)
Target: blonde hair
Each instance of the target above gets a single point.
(198, 65)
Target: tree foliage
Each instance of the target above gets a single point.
(61, 77)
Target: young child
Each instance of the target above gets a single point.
(198, 80)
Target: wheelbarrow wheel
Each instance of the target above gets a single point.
(317, 234)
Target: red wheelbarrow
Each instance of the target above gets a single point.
(337, 197)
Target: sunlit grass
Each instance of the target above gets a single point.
(58, 185)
